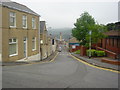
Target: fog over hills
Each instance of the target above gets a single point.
(66, 32)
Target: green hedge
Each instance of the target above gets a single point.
(100, 53)
(77, 52)
(92, 52)
(96, 53)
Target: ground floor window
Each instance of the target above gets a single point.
(33, 43)
(12, 47)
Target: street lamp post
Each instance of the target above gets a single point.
(41, 42)
(69, 44)
(90, 44)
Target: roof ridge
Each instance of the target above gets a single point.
(20, 7)
(19, 3)
(24, 6)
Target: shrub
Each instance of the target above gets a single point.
(77, 52)
(96, 53)
(100, 53)
(93, 52)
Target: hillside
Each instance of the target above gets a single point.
(66, 32)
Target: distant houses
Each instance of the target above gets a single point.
(19, 33)
(47, 42)
(43, 40)
(74, 44)
(54, 44)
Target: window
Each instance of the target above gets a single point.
(24, 21)
(52, 41)
(113, 42)
(33, 23)
(118, 43)
(33, 43)
(12, 19)
(109, 41)
(12, 47)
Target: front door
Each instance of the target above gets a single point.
(25, 47)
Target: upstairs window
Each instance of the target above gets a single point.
(24, 21)
(12, 19)
(33, 23)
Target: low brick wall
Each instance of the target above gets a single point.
(110, 61)
(83, 51)
(109, 53)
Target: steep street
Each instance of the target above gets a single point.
(63, 72)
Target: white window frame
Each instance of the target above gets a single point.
(16, 47)
(35, 43)
(24, 17)
(33, 23)
(14, 16)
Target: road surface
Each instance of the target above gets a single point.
(63, 72)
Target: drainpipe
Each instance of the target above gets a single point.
(39, 38)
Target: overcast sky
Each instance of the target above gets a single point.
(63, 13)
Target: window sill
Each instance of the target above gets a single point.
(12, 26)
(25, 28)
(13, 55)
(33, 49)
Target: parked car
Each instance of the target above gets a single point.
(60, 49)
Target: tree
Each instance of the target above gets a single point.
(83, 26)
(113, 26)
(97, 34)
(110, 26)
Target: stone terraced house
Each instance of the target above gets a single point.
(19, 32)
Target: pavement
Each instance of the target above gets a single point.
(63, 71)
(23, 62)
(97, 62)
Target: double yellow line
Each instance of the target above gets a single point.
(94, 66)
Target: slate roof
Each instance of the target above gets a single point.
(42, 25)
(17, 6)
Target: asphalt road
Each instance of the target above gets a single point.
(63, 72)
